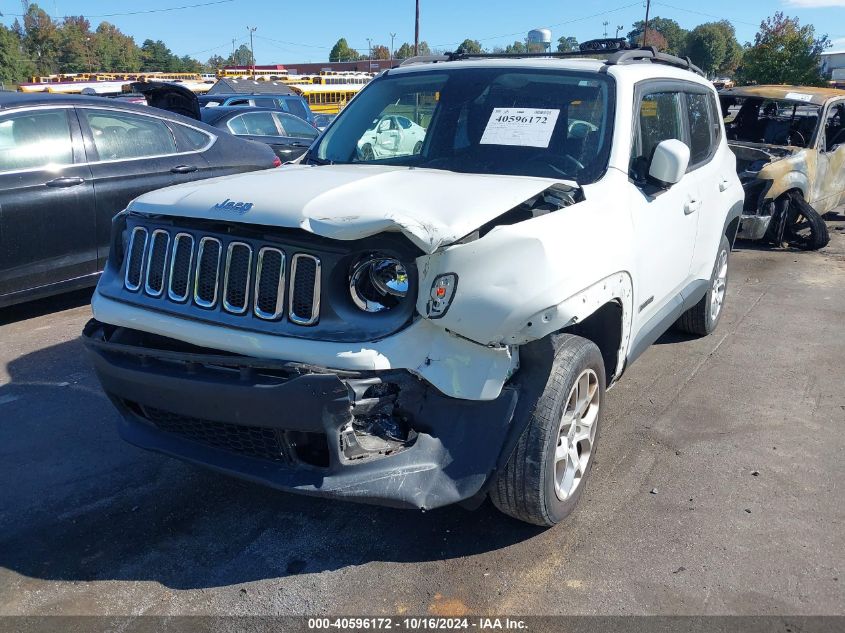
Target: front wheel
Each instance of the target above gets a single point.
(703, 317)
(547, 471)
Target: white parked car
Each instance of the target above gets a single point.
(437, 325)
(391, 136)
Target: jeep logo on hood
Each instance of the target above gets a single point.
(230, 205)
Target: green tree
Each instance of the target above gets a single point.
(215, 62)
(41, 39)
(470, 46)
(424, 48)
(784, 52)
(674, 35)
(156, 57)
(380, 51)
(713, 47)
(342, 53)
(15, 67)
(517, 48)
(75, 46)
(241, 57)
(115, 51)
(566, 44)
(404, 51)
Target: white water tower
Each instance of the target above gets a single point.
(540, 39)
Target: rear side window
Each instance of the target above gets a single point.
(659, 120)
(294, 126)
(122, 135)
(189, 139)
(254, 124)
(698, 115)
(295, 107)
(35, 139)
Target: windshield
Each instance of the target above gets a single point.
(770, 121)
(553, 124)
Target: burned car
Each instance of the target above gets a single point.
(789, 142)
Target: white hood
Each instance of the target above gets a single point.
(348, 202)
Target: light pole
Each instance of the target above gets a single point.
(417, 30)
(369, 54)
(605, 23)
(252, 30)
(392, 37)
(619, 28)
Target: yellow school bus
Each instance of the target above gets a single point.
(327, 99)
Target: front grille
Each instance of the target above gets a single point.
(270, 283)
(135, 265)
(253, 441)
(208, 272)
(156, 262)
(236, 283)
(304, 303)
(241, 278)
(180, 267)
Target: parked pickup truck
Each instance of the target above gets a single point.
(437, 324)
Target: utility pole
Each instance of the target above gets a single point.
(417, 30)
(392, 37)
(252, 30)
(369, 54)
(645, 27)
(605, 23)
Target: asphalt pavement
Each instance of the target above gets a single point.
(719, 488)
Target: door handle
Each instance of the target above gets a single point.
(691, 206)
(65, 181)
(183, 169)
(724, 183)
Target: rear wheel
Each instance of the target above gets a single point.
(367, 152)
(703, 317)
(418, 147)
(546, 474)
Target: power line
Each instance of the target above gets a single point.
(523, 31)
(114, 15)
(262, 37)
(706, 15)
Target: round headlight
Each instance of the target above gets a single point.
(377, 283)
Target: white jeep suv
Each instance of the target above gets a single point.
(437, 324)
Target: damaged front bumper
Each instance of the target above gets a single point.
(383, 437)
(757, 208)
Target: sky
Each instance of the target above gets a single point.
(291, 31)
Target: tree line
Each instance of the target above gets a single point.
(783, 51)
(40, 45)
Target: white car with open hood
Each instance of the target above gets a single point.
(437, 323)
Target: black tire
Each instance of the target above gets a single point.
(367, 153)
(699, 319)
(525, 487)
(417, 147)
(805, 228)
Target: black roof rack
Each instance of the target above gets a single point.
(651, 54)
(617, 48)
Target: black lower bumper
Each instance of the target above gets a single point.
(301, 428)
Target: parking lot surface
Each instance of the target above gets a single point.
(719, 488)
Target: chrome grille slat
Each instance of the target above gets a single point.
(156, 262)
(236, 277)
(207, 275)
(181, 259)
(135, 258)
(269, 301)
(304, 294)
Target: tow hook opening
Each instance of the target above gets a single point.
(378, 427)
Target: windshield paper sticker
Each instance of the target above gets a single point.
(527, 127)
(799, 96)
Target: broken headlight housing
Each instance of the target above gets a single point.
(377, 282)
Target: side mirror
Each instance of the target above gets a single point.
(668, 163)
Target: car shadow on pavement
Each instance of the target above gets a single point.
(79, 504)
(44, 306)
